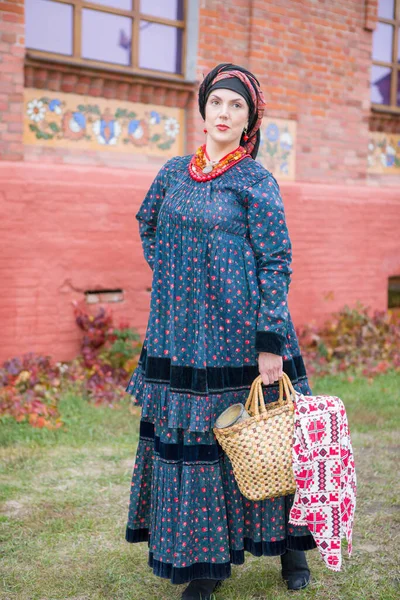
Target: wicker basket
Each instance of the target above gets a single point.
(260, 448)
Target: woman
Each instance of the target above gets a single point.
(213, 231)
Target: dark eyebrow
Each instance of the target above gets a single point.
(240, 99)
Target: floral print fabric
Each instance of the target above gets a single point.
(220, 254)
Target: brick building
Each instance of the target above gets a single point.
(94, 98)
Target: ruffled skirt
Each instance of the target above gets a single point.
(184, 499)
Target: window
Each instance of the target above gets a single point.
(385, 75)
(134, 35)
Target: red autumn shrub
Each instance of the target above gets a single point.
(29, 390)
(108, 355)
(352, 340)
(30, 386)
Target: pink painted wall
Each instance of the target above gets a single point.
(67, 229)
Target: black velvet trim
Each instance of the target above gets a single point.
(212, 380)
(267, 341)
(157, 368)
(205, 453)
(304, 542)
(188, 378)
(257, 549)
(264, 548)
(221, 571)
(186, 574)
(292, 542)
(136, 535)
(237, 557)
(146, 430)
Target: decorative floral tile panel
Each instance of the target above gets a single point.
(71, 120)
(384, 153)
(278, 147)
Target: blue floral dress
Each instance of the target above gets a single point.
(220, 254)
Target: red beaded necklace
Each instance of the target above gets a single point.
(201, 168)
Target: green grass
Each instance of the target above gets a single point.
(370, 406)
(64, 499)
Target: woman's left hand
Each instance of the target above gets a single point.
(270, 367)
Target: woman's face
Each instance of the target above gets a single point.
(227, 114)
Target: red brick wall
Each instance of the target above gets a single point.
(345, 247)
(12, 50)
(65, 230)
(69, 229)
(313, 60)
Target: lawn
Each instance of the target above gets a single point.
(64, 500)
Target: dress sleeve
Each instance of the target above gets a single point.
(269, 238)
(148, 213)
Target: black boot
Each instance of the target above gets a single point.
(201, 589)
(295, 569)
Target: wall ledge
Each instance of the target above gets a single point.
(63, 76)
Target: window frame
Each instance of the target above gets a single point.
(136, 16)
(394, 65)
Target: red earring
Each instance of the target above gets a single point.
(205, 130)
(245, 136)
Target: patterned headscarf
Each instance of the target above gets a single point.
(248, 86)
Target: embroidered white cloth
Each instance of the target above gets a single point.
(323, 465)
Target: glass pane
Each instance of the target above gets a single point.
(382, 42)
(160, 47)
(398, 89)
(48, 26)
(167, 9)
(121, 4)
(381, 78)
(386, 9)
(106, 37)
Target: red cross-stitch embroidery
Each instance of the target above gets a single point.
(325, 497)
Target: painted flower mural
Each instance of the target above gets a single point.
(272, 132)
(284, 168)
(42, 126)
(73, 125)
(36, 110)
(286, 141)
(276, 151)
(103, 124)
(147, 131)
(388, 159)
(383, 153)
(55, 106)
(107, 129)
(138, 132)
(171, 127)
(155, 118)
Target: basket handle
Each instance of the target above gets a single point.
(286, 384)
(255, 399)
(252, 399)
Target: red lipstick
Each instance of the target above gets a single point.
(222, 127)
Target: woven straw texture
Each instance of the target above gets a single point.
(260, 448)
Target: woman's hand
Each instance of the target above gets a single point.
(270, 367)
